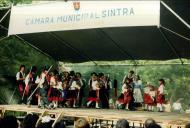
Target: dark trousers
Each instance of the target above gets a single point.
(43, 95)
(104, 98)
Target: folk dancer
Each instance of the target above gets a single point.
(20, 78)
(31, 85)
(152, 98)
(104, 91)
(94, 91)
(82, 84)
(160, 95)
(130, 76)
(53, 93)
(60, 88)
(74, 89)
(126, 95)
(43, 82)
(146, 95)
(137, 92)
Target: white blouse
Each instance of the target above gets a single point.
(161, 89)
(94, 85)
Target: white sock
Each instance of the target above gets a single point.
(88, 103)
(152, 108)
(149, 108)
(127, 106)
(146, 106)
(97, 106)
(161, 108)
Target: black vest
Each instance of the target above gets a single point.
(20, 81)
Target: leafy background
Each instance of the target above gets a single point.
(13, 53)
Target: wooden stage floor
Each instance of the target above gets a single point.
(163, 118)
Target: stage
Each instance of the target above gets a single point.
(136, 118)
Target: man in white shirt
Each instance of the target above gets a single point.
(82, 84)
(20, 77)
(43, 90)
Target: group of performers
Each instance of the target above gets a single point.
(134, 93)
(67, 89)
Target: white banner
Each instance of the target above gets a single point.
(62, 16)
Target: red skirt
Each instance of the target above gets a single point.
(125, 98)
(93, 96)
(148, 99)
(21, 88)
(160, 99)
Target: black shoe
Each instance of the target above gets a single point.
(66, 105)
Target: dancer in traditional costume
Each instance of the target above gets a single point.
(31, 85)
(146, 96)
(94, 91)
(60, 88)
(20, 77)
(53, 93)
(126, 95)
(160, 95)
(65, 88)
(73, 90)
(43, 81)
(104, 91)
(82, 84)
(137, 92)
(130, 76)
(152, 98)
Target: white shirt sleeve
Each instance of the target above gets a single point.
(59, 85)
(27, 79)
(18, 76)
(89, 82)
(42, 80)
(94, 85)
(161, 89)
(146, 90)
(74, 85)
(37, 80)
(110, 84)
(152, 93)
(52, 81)
(123, 87)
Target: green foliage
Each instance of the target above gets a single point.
(4, 3)
(14, 53)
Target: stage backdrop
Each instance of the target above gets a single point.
(60, 16)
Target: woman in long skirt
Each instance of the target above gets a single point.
(137, 93)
